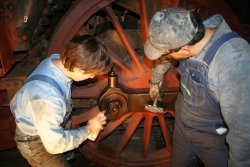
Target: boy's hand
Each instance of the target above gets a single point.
(96, 124)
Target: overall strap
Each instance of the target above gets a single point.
(46, 79)
(215, 46)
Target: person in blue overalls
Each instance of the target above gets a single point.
(212, 122)
(43, 105)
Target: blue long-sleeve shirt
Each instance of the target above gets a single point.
(39, 109)
(229, 82)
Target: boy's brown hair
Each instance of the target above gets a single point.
(86, 53)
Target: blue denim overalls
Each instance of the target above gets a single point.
(199, 128)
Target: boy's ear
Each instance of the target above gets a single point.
(185, 50)
(77, 69)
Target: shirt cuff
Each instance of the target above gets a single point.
(83, 134)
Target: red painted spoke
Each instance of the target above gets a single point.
(123, 38)
(147, 133)
(112, 125)
(164, 131)
(116, 61)
(119, 63)
(73, 21)
(172, 113)
(136, 119)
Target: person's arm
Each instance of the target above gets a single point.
(234, 98)
(48, 116)
(159, 70)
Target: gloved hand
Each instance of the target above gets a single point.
(154, 91)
